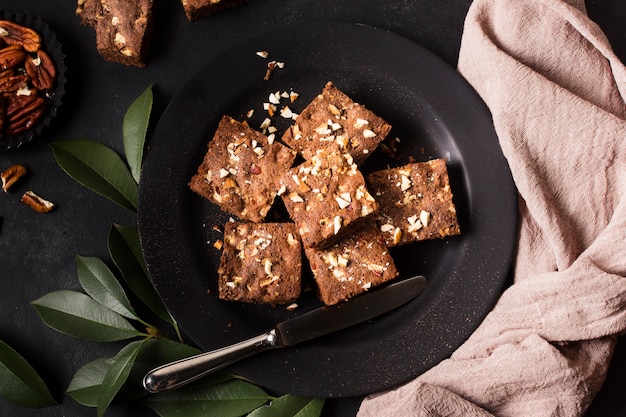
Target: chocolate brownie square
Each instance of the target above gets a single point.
(123, 28)
(196, 9)
(241, 170)
(352, 266)
(327, 198)
(261, 263)
(415, 202)
(333, 119)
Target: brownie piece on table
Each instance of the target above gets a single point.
(415, 202)
(196, 9)
(123, 28)
(261, 263)
(241, 170)
(327, 198)
(334, 119)
(352, 266)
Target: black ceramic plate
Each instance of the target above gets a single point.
(52, 46)
(434, 113)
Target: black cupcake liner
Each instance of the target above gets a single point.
(52, 46)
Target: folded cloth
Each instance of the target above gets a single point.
(556, 93)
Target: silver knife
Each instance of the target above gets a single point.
(318, 322)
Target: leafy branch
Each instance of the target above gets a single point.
(104, 312)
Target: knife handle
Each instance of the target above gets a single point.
(184, 371)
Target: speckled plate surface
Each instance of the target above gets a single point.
(53, 47)
(434, 113)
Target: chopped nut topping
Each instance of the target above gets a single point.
(229, 183)
(397, 235)
(337, 224)
(263, 54)
(323, 130)
(368, 134)
(342, 202)
(119, 41)
(292, 307)
(219, 244)
(334, 110)
(296, 198)
(268, 282)
(425, 217)
(359, 123)
(405, 183)
(291, 240)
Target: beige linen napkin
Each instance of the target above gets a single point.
(556, 92)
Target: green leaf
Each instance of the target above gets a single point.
(290, 406)
(134, 131)
(86, 383)
(117, 374)
(20, 383)
(101, 285)
(125, 251)
(160, 351)
(98, 168)
(77, 315)
(233, 398)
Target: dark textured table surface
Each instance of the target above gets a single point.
(37, 252)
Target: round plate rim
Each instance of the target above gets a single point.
(495, 264)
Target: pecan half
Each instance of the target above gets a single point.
(11, 56)
(11, 175)
(13, 83)
(16, 34)
(41, 70)
(23, 112)
(37, 203)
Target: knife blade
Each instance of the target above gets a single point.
(316, 323)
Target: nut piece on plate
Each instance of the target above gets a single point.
(261, 263)
(123, 28)
(415, 202)
(196, 9)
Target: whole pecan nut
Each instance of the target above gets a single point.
(15, 34)
(23, 112)
(41, 70)
(11, 56)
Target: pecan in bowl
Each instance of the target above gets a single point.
(32, 78)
